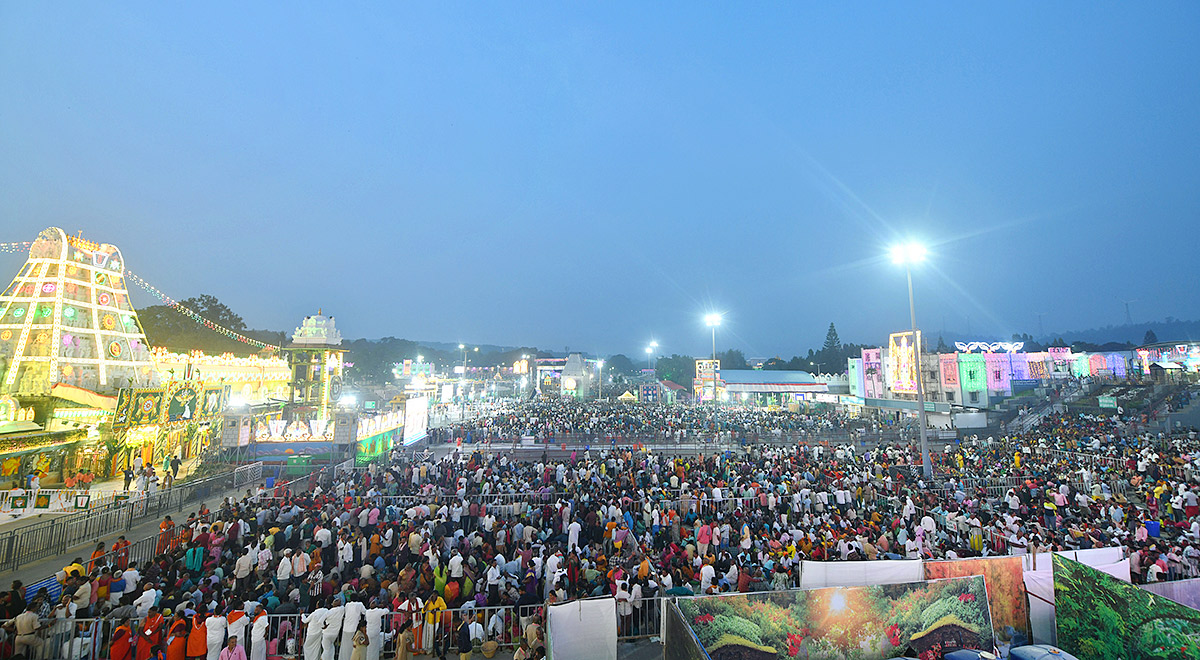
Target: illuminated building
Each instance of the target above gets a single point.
(315, 357)
(251, 379)
(66, 318)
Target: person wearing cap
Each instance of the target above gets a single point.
(283, 571)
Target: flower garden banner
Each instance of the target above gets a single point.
(1100, 617)
(1005, 581)
(922, 619)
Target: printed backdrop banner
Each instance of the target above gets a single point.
(818, 574)
(583, 629)
(920, 619)
(1040, 584)
(1006, 594)
(1100, 617)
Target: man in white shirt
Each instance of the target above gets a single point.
(573, 531)
(707, 574)
(283, 572)
(494, 579)
(455, 566)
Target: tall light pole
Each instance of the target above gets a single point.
(909, 254)
(463, 382)
(712, 321)
(600, 379)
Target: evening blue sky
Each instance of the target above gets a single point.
(600, 174)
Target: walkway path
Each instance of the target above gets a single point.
(37, 570)
(108, 485)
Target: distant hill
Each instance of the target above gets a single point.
(1168, 330)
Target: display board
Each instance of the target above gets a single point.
(416, 419)
(921, 619)
(1004, 577)
(583, 629)
(817, 574)
(1101, 617)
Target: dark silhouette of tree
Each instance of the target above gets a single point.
(679, 369)
(832, 341)
(1150, 338)
(621, 364)
(732, 359)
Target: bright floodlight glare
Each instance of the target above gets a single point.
(347, 400)
(476, 349)
(649, 350)
(600, 363)
(712, 319)
(420, 358)
(908, 253)
(653, 344)
(461, 346)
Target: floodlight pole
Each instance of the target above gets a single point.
(926, 465)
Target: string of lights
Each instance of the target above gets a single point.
(174, 304)
(13, 248)
(23, 246)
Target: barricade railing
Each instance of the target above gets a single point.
(58, 535)
(19, 503)
(248, 474)
(696, 438)
(295, 635)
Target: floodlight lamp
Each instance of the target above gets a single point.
(908, 253)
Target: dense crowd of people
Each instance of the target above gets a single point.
(550, 418)
(462, 553)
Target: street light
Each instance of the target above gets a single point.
(909, 254)
(712, 321)
(650, 354)
(600, 374)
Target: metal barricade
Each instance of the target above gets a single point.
(58, 535)
(248, 474)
